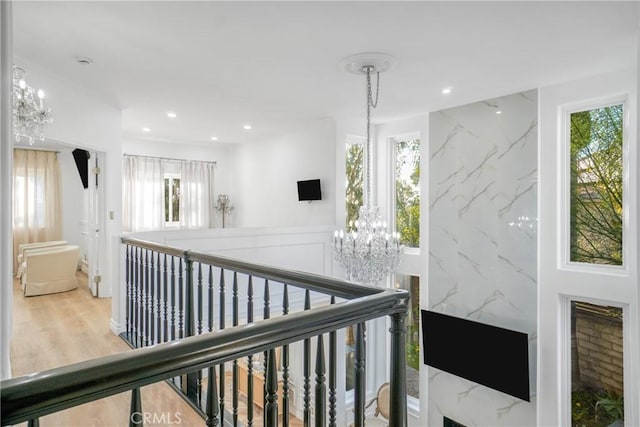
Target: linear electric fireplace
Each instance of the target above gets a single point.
(495, 357)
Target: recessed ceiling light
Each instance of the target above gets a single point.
(146, 130)
(498, 112)
(171, 115)
(247, 127)
(446, 91)
(83, 60)
(214, 138)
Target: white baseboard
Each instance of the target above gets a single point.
(115, 327)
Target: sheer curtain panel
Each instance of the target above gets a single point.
(196, 199)
(143, 193)
(37, 215)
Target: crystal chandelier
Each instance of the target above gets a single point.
(367, 251)
(29, 113)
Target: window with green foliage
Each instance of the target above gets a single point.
(597, 360)
(596, 140)
(171, 199)
(412, 284)
(354, 187)
(407, 190)
(354, 182)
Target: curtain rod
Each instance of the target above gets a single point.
(50, 150)
(170, 159)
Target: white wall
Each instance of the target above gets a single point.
(561, 281)
(265, 175)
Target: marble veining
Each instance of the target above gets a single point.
(524, 138)
(474, 197)
(519, 193)
(483, 184)
(492, 152)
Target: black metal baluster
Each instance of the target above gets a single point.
(173, 299)
(271, 391)
(250, 358)
(266, 313)
(306, 362)
(158, 299)
(221, 326)
(321, 388)
(192, 379)
(212, 408)
(210, 300)
(34, 422)
(165, 299)
(285, 364)
(180, 301)
(182, 378)
(360, 377)
(333, 341)
(127, 276)
(234, 393)
(199, 331)
(135, 413)
(145, 298)
(152, 300)
(138, 322)
(199, 300)
(398, 372)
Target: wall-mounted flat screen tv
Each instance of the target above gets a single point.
(82, 163)
(309, 190)
(495, 357)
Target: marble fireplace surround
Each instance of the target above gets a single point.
(483, 183)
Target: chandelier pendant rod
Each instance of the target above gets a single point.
(368, 172)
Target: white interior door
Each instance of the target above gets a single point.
(96, 222)
(568, 183)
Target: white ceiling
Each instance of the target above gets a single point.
(219, 65)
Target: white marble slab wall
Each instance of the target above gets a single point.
(482, 240)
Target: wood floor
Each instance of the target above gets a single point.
(55, 330)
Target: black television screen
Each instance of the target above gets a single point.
(82, 163)
(495, 357)
(309, 190)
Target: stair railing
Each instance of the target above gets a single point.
(183, 324)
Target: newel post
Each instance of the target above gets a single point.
(190, 386)
(398, 381)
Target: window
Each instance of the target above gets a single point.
(597, 384)
(354, 179)
(596, 145)
(172, 199)
(354, 187)
(406, 153)
(412, 284)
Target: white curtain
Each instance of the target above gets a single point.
(196, 194)
(37, 215)
(143, 193)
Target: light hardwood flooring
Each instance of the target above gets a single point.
(54, 330)
(58, 329)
